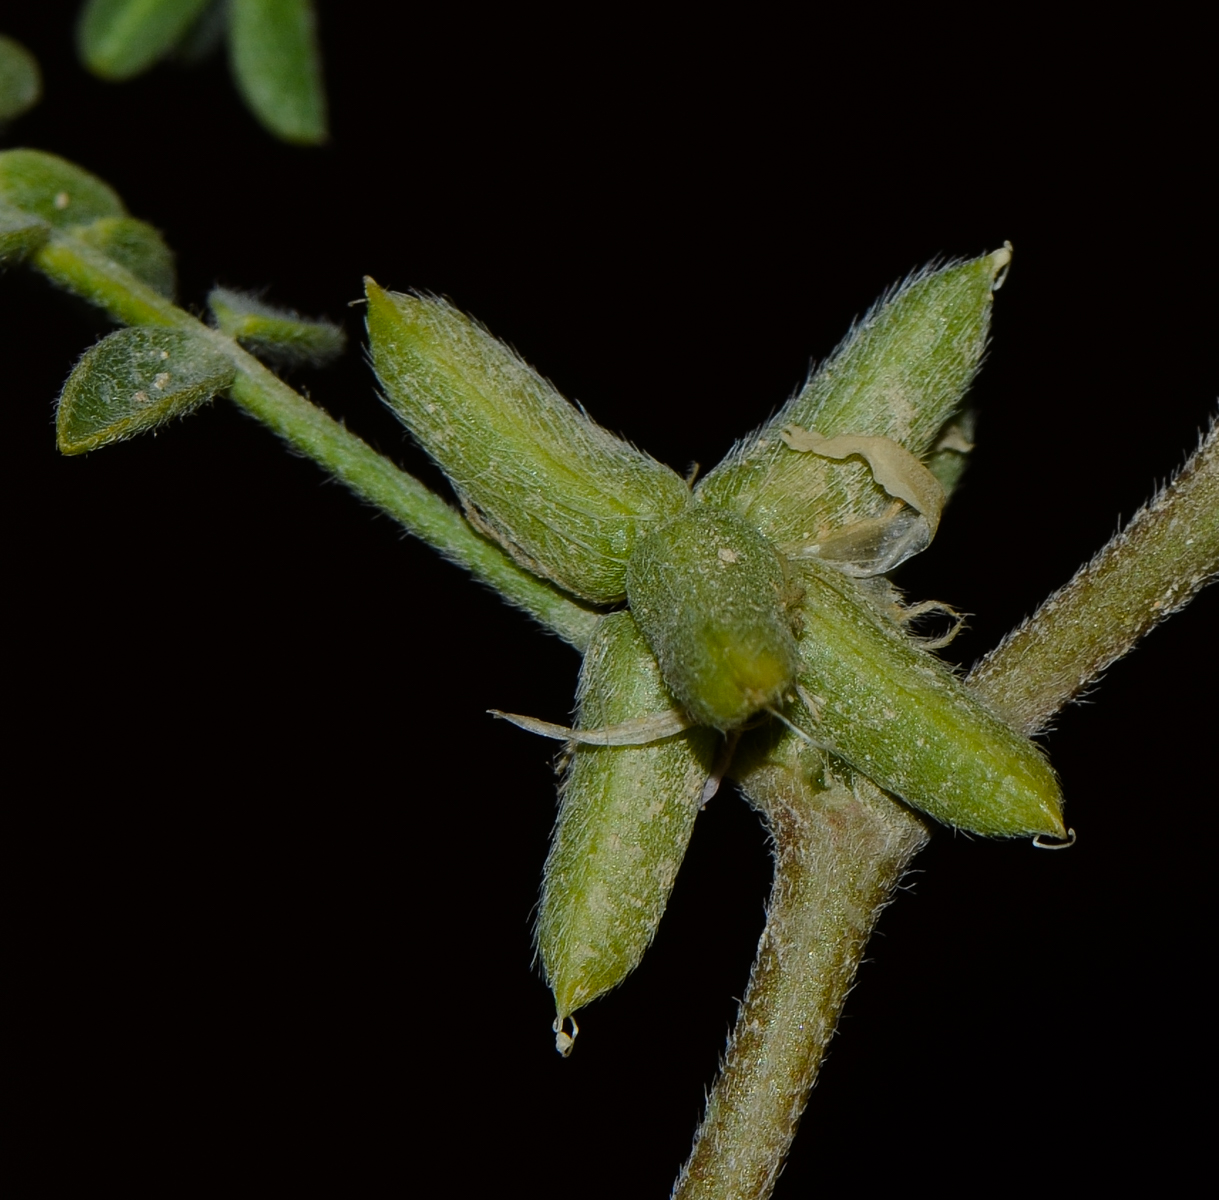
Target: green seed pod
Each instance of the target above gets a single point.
(276, 335)
(54, 189)
(711, 595)
(566, 498)
(900, 374)
(134, 380)
(897, 715)
(625, 822)
(135, 245)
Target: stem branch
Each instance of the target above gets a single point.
(1152, 568)
(840, 850)
(86, 272)
(840, 847)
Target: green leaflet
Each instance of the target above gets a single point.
(19, 234)
(84, 239)
(118, 39)
(273, 51)
(278, 70)
(134, 380)
(276, 335)
(135, 245)
(59, 192)
(567, 498)
(893, 712)
(900, 374)
(711, 595)
(625, 820)
(20, 79)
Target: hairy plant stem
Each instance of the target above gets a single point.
(80, 269)
(1152, 568)
(373, 477)
(840, 844)
(840, 847)
(839, 852)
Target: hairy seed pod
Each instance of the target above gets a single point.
(897, 715)
(711, 595)
(566, 498)
(625, 821)
(901, 373)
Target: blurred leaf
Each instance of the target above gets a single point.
(20, 79)
(119, 39)
(134, 380)
(274, 55)
(43, 185)
(135, 245)
(19, 234)
(275, 334)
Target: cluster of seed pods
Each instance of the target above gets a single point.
(749, 598)
(757, 596)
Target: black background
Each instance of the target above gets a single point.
(278, 884)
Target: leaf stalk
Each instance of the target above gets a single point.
(78, 268)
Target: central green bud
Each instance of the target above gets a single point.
(710, 594)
